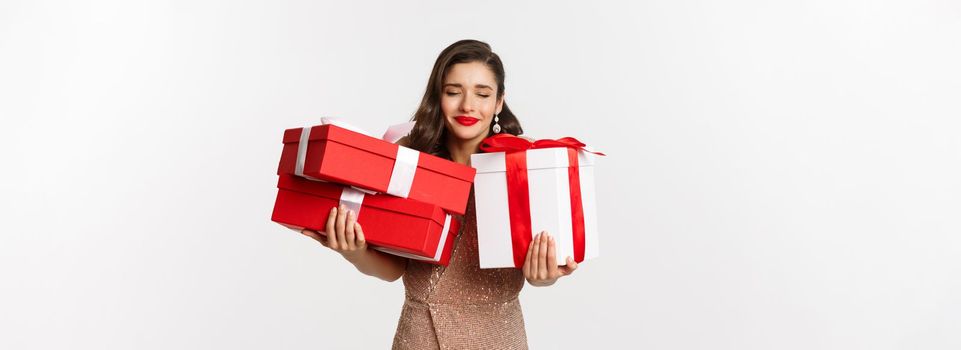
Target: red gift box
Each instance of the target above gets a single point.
(442, 257)
(336, 154)
(395, 225)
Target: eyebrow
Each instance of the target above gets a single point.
(478, 86)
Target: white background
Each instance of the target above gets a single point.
(781, 175)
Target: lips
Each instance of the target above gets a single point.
(465, 120)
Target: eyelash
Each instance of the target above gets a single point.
(457, 93)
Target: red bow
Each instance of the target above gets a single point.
(518, 194)
(510, 143)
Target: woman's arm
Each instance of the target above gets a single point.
(346, 236)
(381, 265)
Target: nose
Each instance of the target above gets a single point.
(466, 105)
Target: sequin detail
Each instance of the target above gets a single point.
(461, 306)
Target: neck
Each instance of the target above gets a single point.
(460, 151)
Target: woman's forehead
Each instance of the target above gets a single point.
(469, 74)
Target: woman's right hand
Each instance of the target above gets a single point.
(344, 233)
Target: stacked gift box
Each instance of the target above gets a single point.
(403, 198)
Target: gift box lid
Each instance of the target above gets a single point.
(380, 147)
(380, 201)
(541, 158)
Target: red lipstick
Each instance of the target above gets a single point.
(465, 120)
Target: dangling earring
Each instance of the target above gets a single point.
(497, 127)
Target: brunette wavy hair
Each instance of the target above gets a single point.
(430, 132)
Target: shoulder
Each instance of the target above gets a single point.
(403, 141)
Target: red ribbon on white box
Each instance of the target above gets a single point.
(518, 193)
(405, 160)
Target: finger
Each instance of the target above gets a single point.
(349, 229)
(528, 262)
(552, 258)
(331, 237)
(339, 227)
(361, 241)
(534, 260)
(311, 234)
(542, 271)
(571, 266)
(318, 236)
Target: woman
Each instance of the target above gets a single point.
(459, 306)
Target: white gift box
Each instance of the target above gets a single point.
(549, 193)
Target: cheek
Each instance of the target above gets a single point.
(487, 107)
(448, 105)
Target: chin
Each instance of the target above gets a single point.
(467, 133)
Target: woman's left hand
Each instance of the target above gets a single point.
(541, 268)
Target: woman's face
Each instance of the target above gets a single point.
(469, 100)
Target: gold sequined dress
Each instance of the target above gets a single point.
(461, 306)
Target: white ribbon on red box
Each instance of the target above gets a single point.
(405, 161)
(437, 254)
(352, 199)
